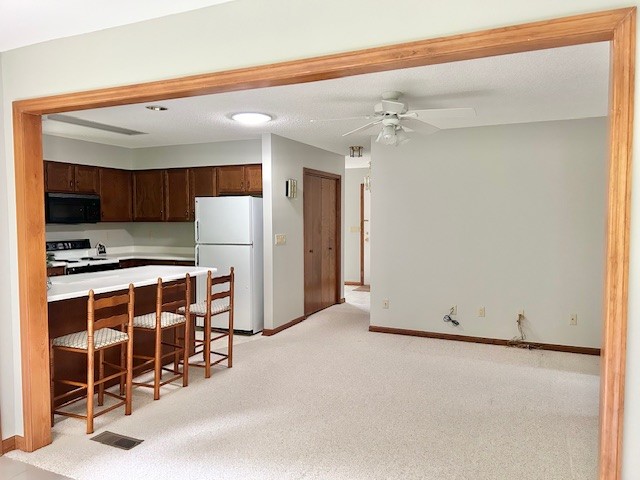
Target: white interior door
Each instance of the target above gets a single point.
(367, 235)
(223, 257)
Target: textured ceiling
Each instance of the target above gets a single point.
(556, 84)
(25, 22)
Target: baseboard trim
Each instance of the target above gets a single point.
(267, 332)
(12, 443)
(342, 300)
(490, 341)
(354, 284)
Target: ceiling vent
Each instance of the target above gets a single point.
(89, 124)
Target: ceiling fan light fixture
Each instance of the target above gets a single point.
(251, 118)
(401, 137)
(388, 135)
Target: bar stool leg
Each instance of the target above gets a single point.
(185, 353)
(100, 377)
(123, 350)
(90, 391)
(176, 352)
(207, 345)
(129, 377)
(157, 374)
(51, 373)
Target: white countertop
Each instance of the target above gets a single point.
(73, 286)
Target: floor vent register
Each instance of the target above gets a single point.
(117, 440)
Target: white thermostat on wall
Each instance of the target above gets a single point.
(291, 188)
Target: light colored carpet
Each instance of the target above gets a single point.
(327, 399)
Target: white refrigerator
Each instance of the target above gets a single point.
(229, 234)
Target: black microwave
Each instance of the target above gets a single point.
(71, 208)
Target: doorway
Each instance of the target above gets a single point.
(617, 26)
(365, 235)
(321, 199)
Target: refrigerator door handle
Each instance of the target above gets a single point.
(197, 231)
(197, 255)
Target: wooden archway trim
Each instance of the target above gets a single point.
(617, 26)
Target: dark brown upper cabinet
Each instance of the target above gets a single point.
(203, 183)
(177, 195)
(68, 177)
(116, 201)
(86, 179)
(240, 179)
(253, 179)
(148, 195)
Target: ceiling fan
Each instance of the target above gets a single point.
(396, 119)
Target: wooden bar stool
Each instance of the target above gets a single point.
(103, 315)
(169, 299)
(215, 304)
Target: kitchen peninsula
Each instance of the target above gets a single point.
(67, 302)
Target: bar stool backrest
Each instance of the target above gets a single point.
(110, 312)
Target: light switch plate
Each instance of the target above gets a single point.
(281, 239)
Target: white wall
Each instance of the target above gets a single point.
(284, 264)
(278, 30)
(353, 178)
(69, 150)
(199, 154)
(9, 339)
(505, 217)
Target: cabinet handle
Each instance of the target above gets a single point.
(70, 184)
(310, 251)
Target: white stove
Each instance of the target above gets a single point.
(79, 257)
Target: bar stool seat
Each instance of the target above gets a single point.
(101, 338)
(200, 308)
(167, 319)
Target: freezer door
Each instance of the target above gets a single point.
(240, 258)
(224, 220)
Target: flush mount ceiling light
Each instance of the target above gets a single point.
(156, 108)
(251, 118)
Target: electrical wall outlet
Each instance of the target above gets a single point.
(481, 312)
(385, 303)
(574, 319)
(453, 310)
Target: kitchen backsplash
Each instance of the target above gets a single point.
(126, 234)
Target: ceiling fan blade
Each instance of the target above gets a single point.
(364, 127)
(359, 117)
(419, 126)
(391, 106)
(434, 113)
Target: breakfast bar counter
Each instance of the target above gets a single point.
(67, 312)
(73, 286)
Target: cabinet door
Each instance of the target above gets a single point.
(86, 179)
(177, 195)
(59, 177)
(203, 184)
(115, 195)
(148, 195)
(253, 179)
(231, 180)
